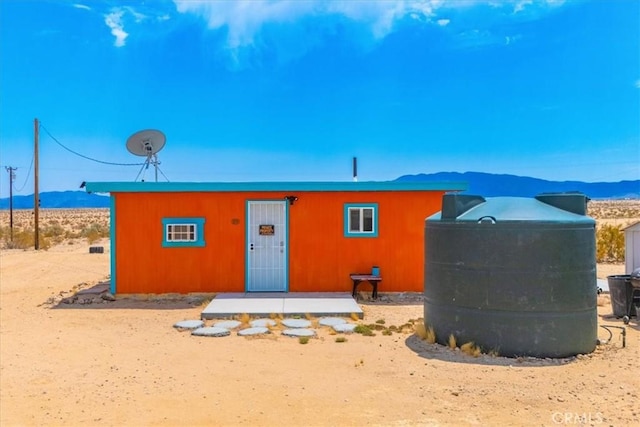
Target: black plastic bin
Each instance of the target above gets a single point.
(621, 293)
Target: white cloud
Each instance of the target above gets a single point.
(250, 25)
(81, 6)
(117, 17)
(511, 39)
(534, 5)
(244, 20)
(638, 83)
(521, 5)
(114, 21)
(139, 17)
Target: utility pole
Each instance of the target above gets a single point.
(36, 194)
(12, 176)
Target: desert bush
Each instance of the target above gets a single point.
(95, 232)
(53, 230)
(53, 233)
(364, 330)
(609, 243)
(452, 342)
(471, 349)
(72, 234)
(22, 239)
(25, 239)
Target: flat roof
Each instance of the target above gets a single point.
(171, 187)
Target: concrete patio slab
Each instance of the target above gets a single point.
(316, 304)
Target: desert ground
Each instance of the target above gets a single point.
(122, 363)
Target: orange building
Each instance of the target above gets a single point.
(267, 237)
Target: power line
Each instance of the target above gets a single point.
(86, 157)
(26, 179)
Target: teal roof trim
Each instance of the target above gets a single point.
(172, 187)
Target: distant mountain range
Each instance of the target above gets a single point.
(493, 185)
(59, 199)
(483, 184)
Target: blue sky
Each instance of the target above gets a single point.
(293, 90)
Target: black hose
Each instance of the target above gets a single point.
(623, 333)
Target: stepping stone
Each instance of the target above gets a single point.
(346, 328)
(262, 323)
(296, 323)
(227, 324)
(211, 331)
(299, 332)
(330, 321)
(189, 324)
(258, 330)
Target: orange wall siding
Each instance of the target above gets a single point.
(320, 257)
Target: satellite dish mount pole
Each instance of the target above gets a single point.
(155, 165)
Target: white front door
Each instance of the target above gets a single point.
(267, 251)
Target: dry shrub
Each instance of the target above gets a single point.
(68, 234)
(609, 243)
(431, 335)
(452, 342)
(56, 225)
(421, 330)
(608, 209)
(427, 334)
(278, 326)
(244, 320)
(95, 232)
(364, 330)
(53, 232)
(471, 349)
(315, 323)
(405, 328)
(22, 239)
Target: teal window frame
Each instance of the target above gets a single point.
(198, 223)
(348, 207)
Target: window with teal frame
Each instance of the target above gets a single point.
(361, 220)
(182, 232)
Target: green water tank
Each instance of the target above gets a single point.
(515, 275)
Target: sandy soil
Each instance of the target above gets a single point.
(122, 363)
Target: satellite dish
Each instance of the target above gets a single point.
(147, 143)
